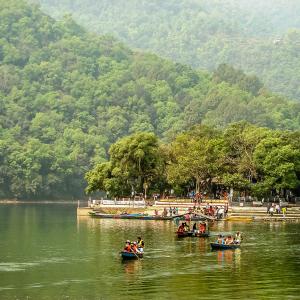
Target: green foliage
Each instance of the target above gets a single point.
(244, 157)
(196, 157)
(278, 159)
(135, 163)
(66, 96)
(260, 37)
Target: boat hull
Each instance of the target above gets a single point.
(201, 235)
(215, 246)
(130, 255)
(191, 234)
(183, 234)
(128, 216)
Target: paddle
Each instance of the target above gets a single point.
(136, 255)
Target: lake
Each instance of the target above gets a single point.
(46, 252)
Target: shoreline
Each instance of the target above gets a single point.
(244, 214)
(16, 202)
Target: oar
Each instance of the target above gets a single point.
(136, 255)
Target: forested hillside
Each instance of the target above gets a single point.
(66, 96)
(260, 37)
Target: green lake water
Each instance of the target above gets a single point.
(46, 252)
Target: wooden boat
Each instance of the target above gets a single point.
(201, 235)
(240, 219)
(182, 234)
(127, 216)
(130, 255)
(216, 246)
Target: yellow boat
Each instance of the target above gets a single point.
(242, 219)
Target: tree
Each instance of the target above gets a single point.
(196, 156)
(278, 164)
(135, 163)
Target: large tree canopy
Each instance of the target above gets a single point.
(136, 162)
(244, 157)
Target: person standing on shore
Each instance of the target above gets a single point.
(271, 211)
(283, 211)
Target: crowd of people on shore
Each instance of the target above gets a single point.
(218, 212)
(214, 211)
(171, 211)
(229, 240)
(276, 209)
(135, 247)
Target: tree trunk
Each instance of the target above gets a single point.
(197, 185)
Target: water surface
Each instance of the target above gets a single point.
(46, 252)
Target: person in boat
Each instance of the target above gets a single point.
(140, 242)
(186, 227)
(181, 228)
(229, 240)
(202, 227)
(235, 241)
(127, 246)
(220, 239)
(238, 238)
(195, 227)
(134, 247)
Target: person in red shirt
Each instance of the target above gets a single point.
(134, 247)
(127, 246)
(202, 228)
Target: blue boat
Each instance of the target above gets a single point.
(181, 234)
(216, 246)
(127, 216)
(131, 255)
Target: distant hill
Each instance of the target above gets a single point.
(260, 37)
(67, 95)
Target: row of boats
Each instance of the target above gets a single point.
(222, 243)
(214, 246)
(132, 252)
(141, 216)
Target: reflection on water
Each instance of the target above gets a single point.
(49, 253)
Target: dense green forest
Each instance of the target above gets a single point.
(244, 157)
(260, 37)
(66, 95)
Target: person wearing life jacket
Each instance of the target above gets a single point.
(134, 247)
(186, 227)
(127, 246)
(140, 242)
